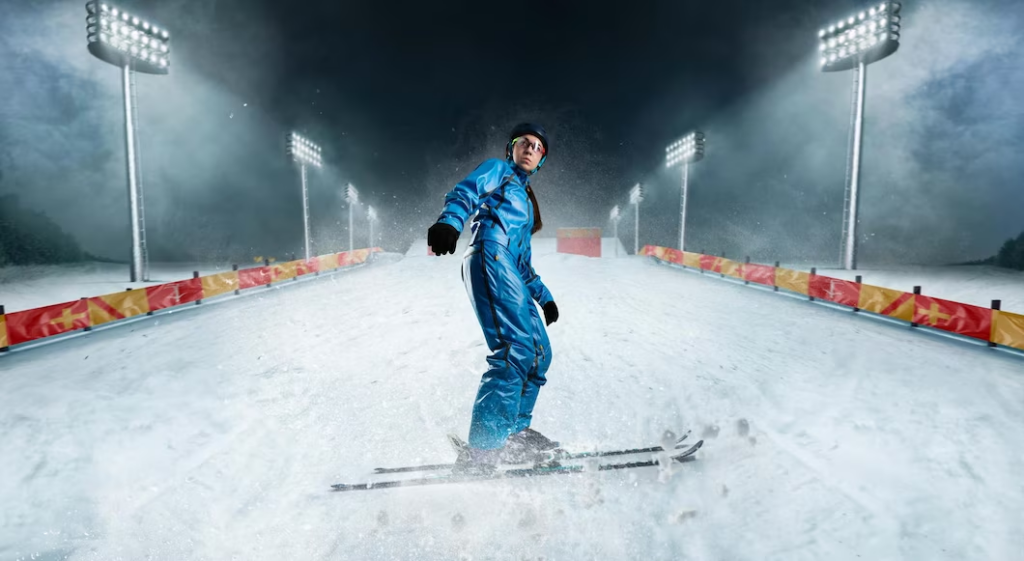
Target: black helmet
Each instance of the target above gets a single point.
(530, 128)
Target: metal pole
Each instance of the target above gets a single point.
(133, 188)
(636, 238)
(858, 138)
(305, 210)
(371, 234)
(351, 246)
(682, 219)
(615, 228)
(139, 189)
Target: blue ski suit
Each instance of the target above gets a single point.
(502, 288)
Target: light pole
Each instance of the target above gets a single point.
(371, 214)
(689, 149)
(853, 43)
(615, 217)
(304, 152)
(133, 44)
(352, 198)
(636, 196)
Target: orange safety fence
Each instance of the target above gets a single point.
(985, 324)
(56, 319)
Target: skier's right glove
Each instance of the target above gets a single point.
(550, 312)
(442, 238)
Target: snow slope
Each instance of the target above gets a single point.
(215, 434)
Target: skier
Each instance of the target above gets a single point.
(502, 287)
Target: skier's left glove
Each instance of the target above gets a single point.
(550, 312)
(441, 238)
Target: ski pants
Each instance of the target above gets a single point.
(518, 340)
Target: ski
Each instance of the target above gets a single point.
(556, 456)
(512, 473)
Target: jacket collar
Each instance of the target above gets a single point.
(523, 176)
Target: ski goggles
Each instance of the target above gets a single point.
(537, 146)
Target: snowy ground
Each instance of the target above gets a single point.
(215, 434)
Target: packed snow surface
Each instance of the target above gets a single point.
(216, 433)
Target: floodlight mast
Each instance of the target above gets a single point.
(352, 197)
(371, 214)
(687, 150)
(636, 196)
(132, 44)
(304, 152)
(853, 43)
(307, 251)
(615, 217)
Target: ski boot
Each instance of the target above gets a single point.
(476, 461)
(530, 446)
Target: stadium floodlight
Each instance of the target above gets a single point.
(687, 150)
(132, 44)
(852, 44)
(371, 214)
(615, 217)
(305, 153)
(125, 40)
(636, 196)
(352, 198)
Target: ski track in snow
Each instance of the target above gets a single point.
(216, 434)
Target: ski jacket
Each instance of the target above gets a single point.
(496, 192)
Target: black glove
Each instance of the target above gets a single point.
(441, 238)
(550, 312)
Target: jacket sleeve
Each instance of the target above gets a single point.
(465, 198)
(538, 291)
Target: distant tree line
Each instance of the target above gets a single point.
(28, 237)
(1011, 255)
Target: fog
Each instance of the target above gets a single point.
(941, 167)
(941, 163)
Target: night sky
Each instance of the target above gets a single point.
(407, 97)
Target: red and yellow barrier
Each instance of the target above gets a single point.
(760, 274)
(257, 276)
(994, 326)
(793, 281)
(169, 295)
(47, 321)
(39, 323)
(284, 271)
(1007, 329)
(711, 263)
(215, 285)
(954, 317)
(329, 262)
(120, 305)
(887, 302)
(579, 241)
(834, 290)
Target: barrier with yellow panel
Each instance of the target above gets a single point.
(222, 283)
(47, 321)
(119, 305)
(993, 325)
(793, 281)
(1008, 329)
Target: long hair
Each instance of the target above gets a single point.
(537, 222)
